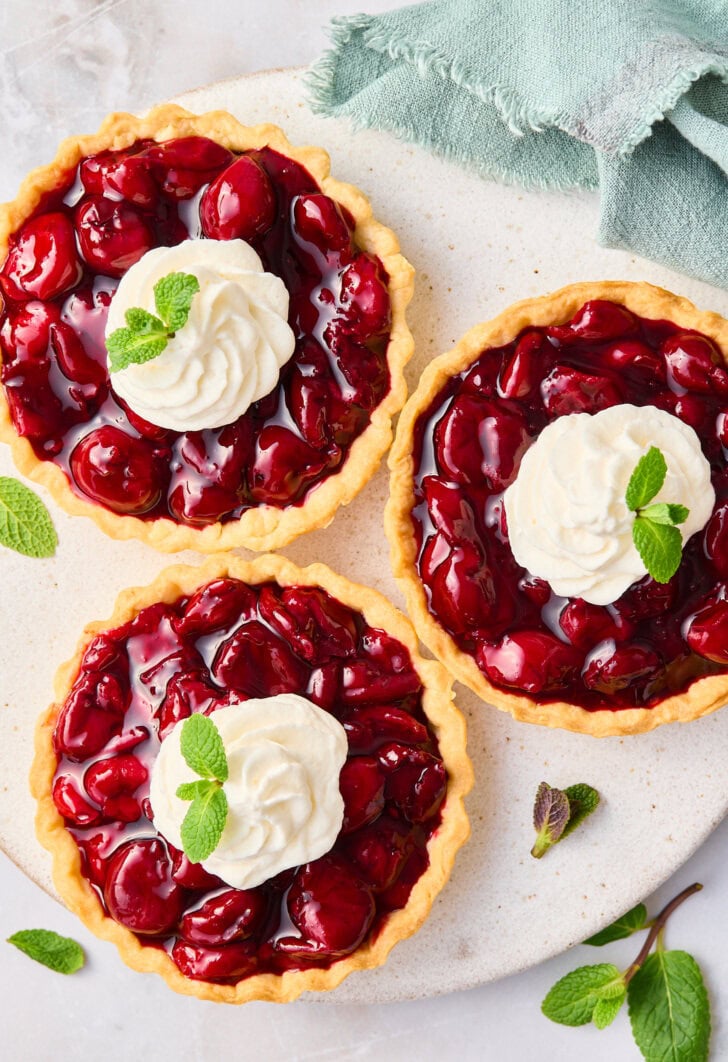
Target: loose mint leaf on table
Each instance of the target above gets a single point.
(202, 748)
(204, 823)
(646, 480)
(669, 1010)
(550, 816)
(173, 296)
(583, 799)
(573, 999)
(52, 950)
(25, 523)
(659, 546)
(627, 924)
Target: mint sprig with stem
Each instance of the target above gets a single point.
(668, 1005)
(146, 336)
(556, 812)
(655, 532)
(204, 753)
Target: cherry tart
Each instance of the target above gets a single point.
(658, 653)
(192, 641)
(286, 464)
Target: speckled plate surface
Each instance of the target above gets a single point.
(477, 246)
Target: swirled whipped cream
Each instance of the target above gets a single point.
(284, 756)
(568, 520)
(231, 349)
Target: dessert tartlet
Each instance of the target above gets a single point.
(329, 370)
(311, 659)
(520, 573)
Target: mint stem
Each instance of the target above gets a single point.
(657, 927)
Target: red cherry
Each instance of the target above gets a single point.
(463, 592)
(585, 625)
(502, 439)
(321, 222)
(565, 390)
(75, 361)
(255, 661)
(520, 372)
(26, 333)
(96, 846)
(361, 783)
(316, 626)
(233, 961)
(118, 175)
(112, 783)
(192, 875)
(533, 661)
(208, 473)
(380, 851)
(693, 362)
(416, 780)
(536, 590)
(646, 599)
(323, 687)
(226, 917)
(42, 261)
(367, 729)
(283, 466)
(92, 714)
(185, 693)
(217, 605)
(112, 236)
(330, 906)
(117, 470)
(364, 298)
(140, 892)
(183, 166)
(635, 358)
(71, 803)
(396, 896)
(696, 412)
(35, 409)
(707, 631)
(716, 540)
(240, 203)
(613, 668)
(597, 319)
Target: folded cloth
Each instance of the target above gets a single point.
(627, 95)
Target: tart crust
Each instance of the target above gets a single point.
(437, 702)
(558, 307)
(263, 527)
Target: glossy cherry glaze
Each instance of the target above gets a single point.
(234, 641)
(656, 639)
(59, 278)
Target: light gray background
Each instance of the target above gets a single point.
(64, 65)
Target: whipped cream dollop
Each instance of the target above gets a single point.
(284, 756)
(568, 520)
(231, 349)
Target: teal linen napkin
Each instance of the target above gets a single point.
(625, 95)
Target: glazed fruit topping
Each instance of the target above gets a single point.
(654, 640)
(225, 642)
(60, 275)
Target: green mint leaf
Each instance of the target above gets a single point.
(583, 799)
(202, 748)
(192, 790)
(550, 815)
(52, 950)
(669, 1009)
(203, 824)
(134, 346)
(660, 548)
(627, 924)
(173, 296)
(143, 321)
(25, 523)
(646, 480)
(665, 513)
(573, 999)
(606, 1010)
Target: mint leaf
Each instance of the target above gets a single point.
(668, 1009)
(550, 816)
(173, 296)
(583, 799)
(660, 548)
(647, 479)
(606, 1010)
(130, 346)
(627, 924)
(573, 999)
(52, 950)
(202, 748)
(140, 320)
(25, 523)
(192, 790)
(665, 513)
(204, 823)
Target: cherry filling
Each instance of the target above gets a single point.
(656, 639)
(59, 278)
(234, 641)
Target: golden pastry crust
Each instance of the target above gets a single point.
(704, 695)
(264, 527)
(444, 717)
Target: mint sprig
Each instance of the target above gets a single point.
(655, 532)
(25, 523)
(146, 336)
(204, 753)
(668, 1004)
(58, 953)
(556, 812)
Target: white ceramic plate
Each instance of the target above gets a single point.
(477, 246)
